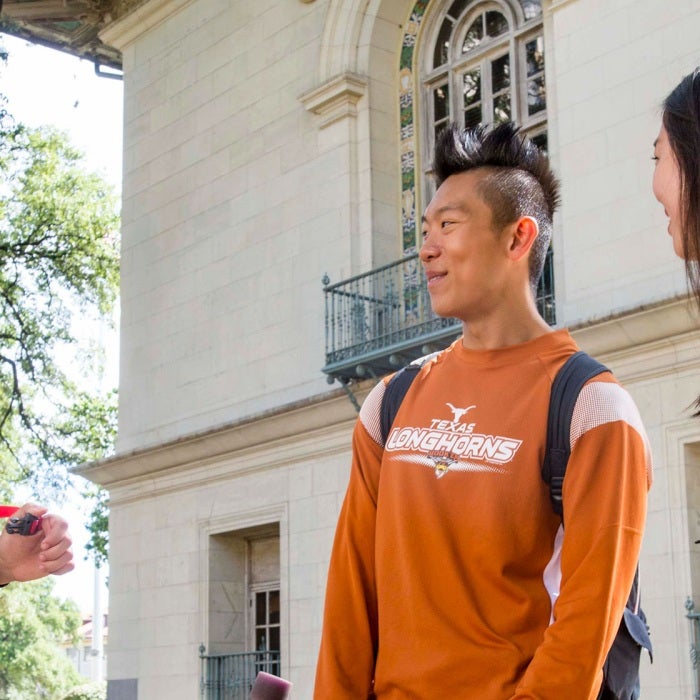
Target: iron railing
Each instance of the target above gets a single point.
(231, 676)
(382, 319)
(694, 619)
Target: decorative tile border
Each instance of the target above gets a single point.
(407, 87)
(408, 82)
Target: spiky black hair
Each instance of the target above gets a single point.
(518, 180)
(503, 146)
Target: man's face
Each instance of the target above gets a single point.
(464, 258)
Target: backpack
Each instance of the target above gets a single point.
(621, 667)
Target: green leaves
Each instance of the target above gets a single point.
(33, 626)
(88, 433)
(59, 266)
(59, 270)
(61, 222)
(97, 690)
(98, 525)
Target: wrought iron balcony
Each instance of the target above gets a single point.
(231, 676)
(694, 618)
(379, 321)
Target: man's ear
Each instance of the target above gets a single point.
(523, 234)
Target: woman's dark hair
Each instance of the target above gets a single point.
(518, 180)
(681, 119)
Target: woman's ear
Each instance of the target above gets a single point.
(524, 233)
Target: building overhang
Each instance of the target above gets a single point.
(72, 26)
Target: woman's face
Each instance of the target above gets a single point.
(667, 188)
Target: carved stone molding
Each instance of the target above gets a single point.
(138, 18)
(72, 26)
(336, 99)
(315, 426)
(123, 7)
(645, 343)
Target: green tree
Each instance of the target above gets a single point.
(33, 626)
(96, 690)
(58, 258)
(59, 261)
(89, 432)
(59, 264)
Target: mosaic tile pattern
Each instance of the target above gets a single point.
(407, 87)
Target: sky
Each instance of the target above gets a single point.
(44, 86)
(48, 87)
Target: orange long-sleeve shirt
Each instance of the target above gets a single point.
(451, 576)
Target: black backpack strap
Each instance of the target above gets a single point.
(575, 372)
(394, 393)
(621, 668)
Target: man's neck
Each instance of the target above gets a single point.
(504, 330)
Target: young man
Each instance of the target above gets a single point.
(451, 576)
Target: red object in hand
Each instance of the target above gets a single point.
(28, 524)
(269, 687)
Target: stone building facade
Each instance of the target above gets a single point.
(271, 145)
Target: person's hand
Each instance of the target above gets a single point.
(28, 557)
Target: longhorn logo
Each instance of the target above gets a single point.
(458, 412)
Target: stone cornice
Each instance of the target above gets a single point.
(335, 99)
(635, 327)
(140, 20)
(553, 5)
(273, 438)
(639, 344)
(646, 342)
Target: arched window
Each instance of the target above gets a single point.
(483, 64)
